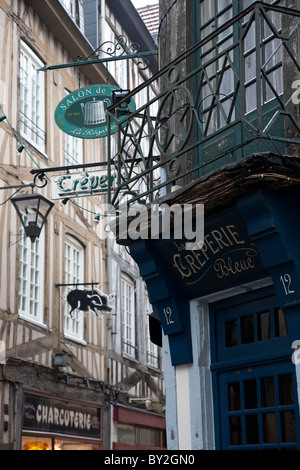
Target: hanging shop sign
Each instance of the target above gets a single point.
(48, 415)
(70, 185)
(83, 113)
(89, 299)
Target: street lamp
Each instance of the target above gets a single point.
(120, 95)
(32, 209)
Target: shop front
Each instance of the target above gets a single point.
(230, 313)
(137, 429)
(50, 423)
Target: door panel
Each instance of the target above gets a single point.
(255, 393)
(258, 408)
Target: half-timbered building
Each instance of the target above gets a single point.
(57, 317)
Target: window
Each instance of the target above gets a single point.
(220, 75)
(74, 274)
(50, 443)
(260, 411)
(257, 326)
(73, 148)
(271, 58)
(121, 73)
(128, 316)
(31, 278)
(75, 10)
(32, 98)
(224, 67)
(138, 435)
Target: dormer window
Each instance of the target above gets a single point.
(75, 10)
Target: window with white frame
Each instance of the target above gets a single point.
(32, 98)
(31, 278)
(128, 316)
(74, 274)
(152, 349)
(73, 150)
(121, 73)
(75, 10)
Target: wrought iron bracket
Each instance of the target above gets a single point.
(111, 50)
(72, 284)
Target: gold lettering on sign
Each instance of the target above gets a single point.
(226, 267)
(233, 255)
(184, 271)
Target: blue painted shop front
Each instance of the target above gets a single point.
(254, 382)
(254, 378)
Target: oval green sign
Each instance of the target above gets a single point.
(83, 114)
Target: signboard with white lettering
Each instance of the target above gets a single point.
(83, 113)
(46, 414)
(76, 184)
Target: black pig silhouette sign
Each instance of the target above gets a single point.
(88, 299)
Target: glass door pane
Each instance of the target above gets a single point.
(260, 412)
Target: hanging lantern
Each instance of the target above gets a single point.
(33, 210)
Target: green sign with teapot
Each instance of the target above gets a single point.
(83, 114)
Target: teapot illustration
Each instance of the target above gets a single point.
(94, 111)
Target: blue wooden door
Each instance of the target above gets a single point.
(255, 393)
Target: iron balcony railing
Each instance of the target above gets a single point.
(232, 94)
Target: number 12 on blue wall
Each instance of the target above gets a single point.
(169, 316)
(286, 281)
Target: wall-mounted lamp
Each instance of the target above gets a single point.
(32, 209)
(60, 360)
(120, 95)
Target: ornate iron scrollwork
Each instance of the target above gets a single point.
(119, 49)
(174, 119)
(40, 180)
